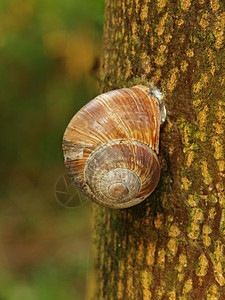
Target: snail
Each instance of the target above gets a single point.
(111, 145)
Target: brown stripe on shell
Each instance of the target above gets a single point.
(129, 112)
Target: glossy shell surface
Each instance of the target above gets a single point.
(110, 147)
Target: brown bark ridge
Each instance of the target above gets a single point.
(172, 245)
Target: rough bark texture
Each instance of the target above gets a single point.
(172, 245)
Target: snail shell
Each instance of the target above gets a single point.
(111, 145)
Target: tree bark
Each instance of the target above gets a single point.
(172, 245)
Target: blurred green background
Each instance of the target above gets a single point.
(49, 57)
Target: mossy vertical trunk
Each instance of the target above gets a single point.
(172, 245)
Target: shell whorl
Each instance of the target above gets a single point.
(121, 172)
(110, 147)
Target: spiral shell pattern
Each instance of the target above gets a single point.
(111, 145)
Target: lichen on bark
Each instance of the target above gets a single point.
(172, 245)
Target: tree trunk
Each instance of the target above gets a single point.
(172, 245)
